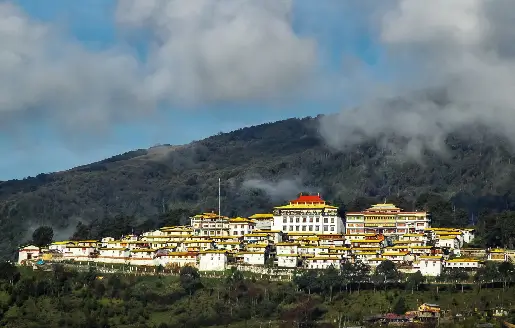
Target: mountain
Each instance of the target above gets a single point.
(260, 166)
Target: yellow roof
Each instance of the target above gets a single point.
(142, 250)
(305, 206)
(447, 237)
(374, 241)
(287, 244)
(395, 253)
(463, 260)
(323, 258)
(430, 257)
(261, 216)
(216, 251)
(240, 220)
(256, 235)
(64, 242)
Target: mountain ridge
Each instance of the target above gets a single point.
(260, 167)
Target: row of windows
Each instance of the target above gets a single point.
(309, 228)
(305, 220)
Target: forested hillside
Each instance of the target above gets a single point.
(260, 167)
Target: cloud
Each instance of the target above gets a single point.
(279, 190)
(454, 64)
(202, 52)
(220, 50)
(45, 78)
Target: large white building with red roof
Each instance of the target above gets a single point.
(308, 214)
(386, 219)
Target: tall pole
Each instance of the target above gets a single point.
(219, 197)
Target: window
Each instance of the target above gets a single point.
(326, 228)
(310, 228)
(291, 228)
(317, 220)
(297, 220)
(332, 220)
(317, 227)
(284, 228)
(325, 220)
(303, 228)
(310, 219)
(296, 228)
(304, 219)
(284, 220)
(332, 228)
(291, 220)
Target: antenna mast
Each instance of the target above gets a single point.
(219, 197)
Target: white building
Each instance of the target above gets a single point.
(212, 260)
(263, 221)
(468, 235)
(238, 227)
(210, 224)
(113, 255)
(386, 219)
(308, 214)
(143, 256)
(287, 260)
(462, 263)
(322, 262)
(429, 265)
(253, 258)
(450, 242)
(177, 259)
(28, 253)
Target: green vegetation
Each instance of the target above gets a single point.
(470, 183)
(61, 297)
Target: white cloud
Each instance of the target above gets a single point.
(220, 50)
(202, 51)
(455, 67)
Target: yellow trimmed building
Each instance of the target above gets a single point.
(309, 214)
(386, 219)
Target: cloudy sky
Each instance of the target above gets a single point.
(84, 80)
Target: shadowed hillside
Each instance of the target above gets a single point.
(260, 166)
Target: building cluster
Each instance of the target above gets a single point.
(306, 233)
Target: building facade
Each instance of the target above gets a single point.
(210, 224)
(386, 219)
(308, 214)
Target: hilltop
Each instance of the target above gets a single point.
(260, 166)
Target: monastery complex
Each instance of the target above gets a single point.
(307, 233)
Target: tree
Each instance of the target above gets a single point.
(506, 272)
(400, 307)
(8, 272)
(414, 281)
(307, 280)
(386, 272)
(190, 279)
(42, 236)
(329, 279)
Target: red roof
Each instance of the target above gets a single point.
(308, 199)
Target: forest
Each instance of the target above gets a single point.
(62, 297)
(470, 183)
